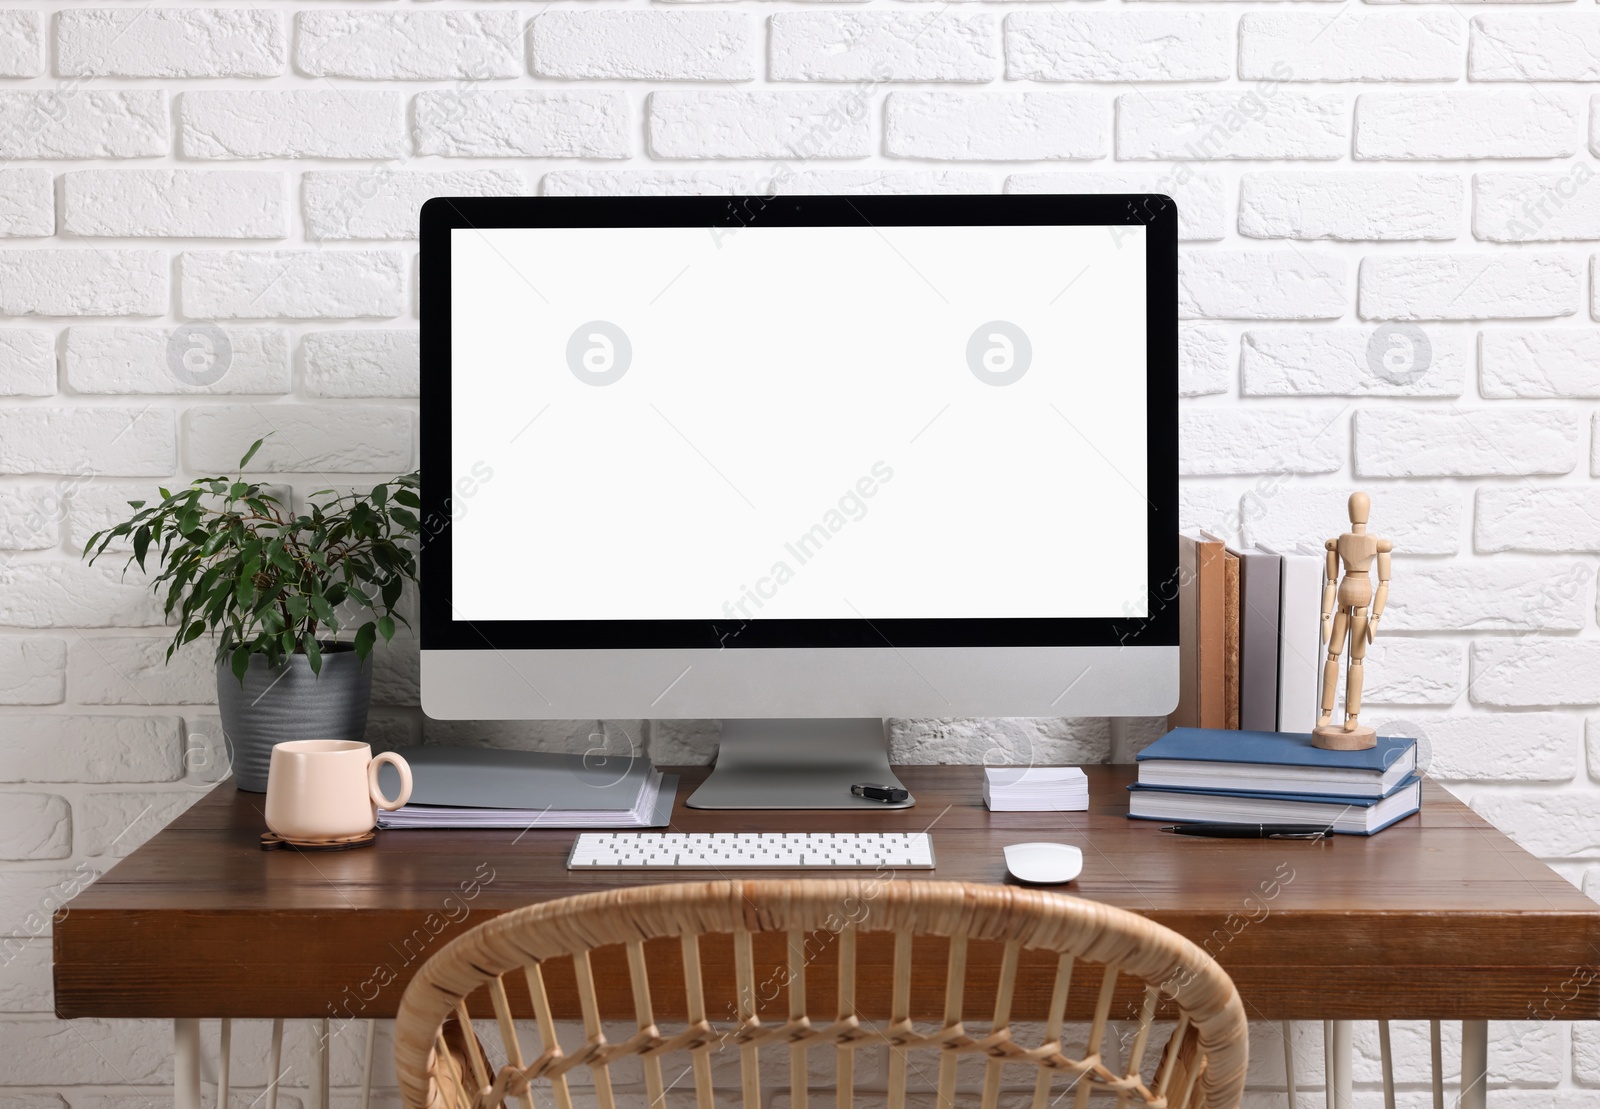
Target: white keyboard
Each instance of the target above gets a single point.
(752, 850)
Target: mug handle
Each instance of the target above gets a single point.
(399, 764)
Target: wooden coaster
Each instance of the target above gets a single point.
(272, 841)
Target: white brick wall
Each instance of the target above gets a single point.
(644, 45)
(1391, 224)
(169, 42)
(884, 46)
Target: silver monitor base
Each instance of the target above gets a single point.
(798, 764)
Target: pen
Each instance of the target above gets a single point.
(1251, 831)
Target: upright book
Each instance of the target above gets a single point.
(1230, 638)
(1260, 585)
(1300, 640)
(1201, 617)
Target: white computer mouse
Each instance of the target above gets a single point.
(1045, 864)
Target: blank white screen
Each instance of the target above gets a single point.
(799, 432)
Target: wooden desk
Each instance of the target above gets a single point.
(1441, 916)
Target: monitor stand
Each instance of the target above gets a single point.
(798, 764)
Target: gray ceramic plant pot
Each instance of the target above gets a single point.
(290, 702)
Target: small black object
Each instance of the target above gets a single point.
(874, 792)
(1252, 831)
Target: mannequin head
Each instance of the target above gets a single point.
(1360, 510)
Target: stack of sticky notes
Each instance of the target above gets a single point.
(1035, 789)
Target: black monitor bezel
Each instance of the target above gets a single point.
(1158, 214)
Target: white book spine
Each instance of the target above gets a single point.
(1300, 642)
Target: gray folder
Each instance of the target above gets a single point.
(491, 778)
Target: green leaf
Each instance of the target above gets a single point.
(313, 652)
(251, 453)
(141, 544)
(323, 610)
(366, 635)
(240, 663)
(386, 627)
(195, 631)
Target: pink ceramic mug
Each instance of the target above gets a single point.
(322, 789)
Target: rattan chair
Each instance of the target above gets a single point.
(552, 949)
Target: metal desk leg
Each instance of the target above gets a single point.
(276, 1065)
(1386, 1057)
(1436, 1053)
(1340, 1054)
(319, 1066)
(224, 1062)
(1474, 1063)
(186, 1063)
(366, 1066)
(1288, 1064)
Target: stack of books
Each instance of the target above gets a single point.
(1035, 789)
(485, 787)
(1241, 777)
(1250, 629)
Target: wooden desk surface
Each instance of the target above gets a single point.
(1440, 916)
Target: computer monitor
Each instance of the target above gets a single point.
(801, 464)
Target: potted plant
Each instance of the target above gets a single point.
(276, 588)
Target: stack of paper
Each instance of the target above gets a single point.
(466, 787)
(1035, 789)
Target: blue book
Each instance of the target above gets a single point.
(1274, 762)
(1354, 816)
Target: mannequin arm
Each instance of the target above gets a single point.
(1330, 588)
(1382, 596)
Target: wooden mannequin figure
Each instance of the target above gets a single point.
(1356, 614)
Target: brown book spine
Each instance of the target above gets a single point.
(1231, 659)
(1202, 586)
(1211, 580)
(1187, 714)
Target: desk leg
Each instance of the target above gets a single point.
(186, 1063)
(275, 1066)
(224, 1062)
(319, 1067)
(366, 1066)
(1288, 1064)
(1436, 1055)
(1339, 1052)
(1386, 1057)
(1474, 1063)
